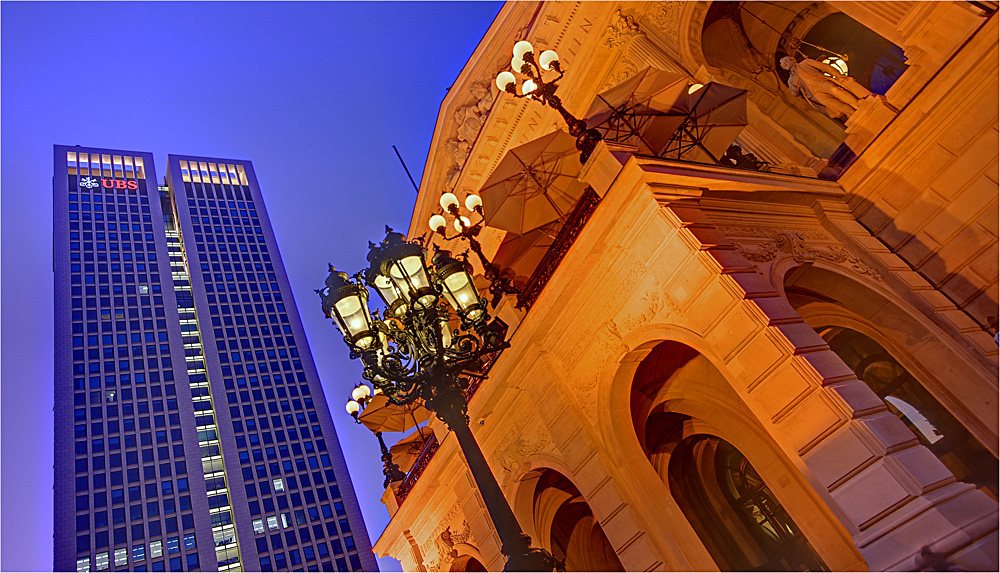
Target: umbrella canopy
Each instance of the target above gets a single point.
(519, 255)
(716, 115)
(644, 110)
(655, 111)
(533, 185)
(381, 416)
(407, 450)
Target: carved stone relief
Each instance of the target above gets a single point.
(469, 120)
(665, 18)
(517, 446)
(439, 548)
(796, 243)
(621, 29)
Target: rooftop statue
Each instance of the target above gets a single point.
(824, 87)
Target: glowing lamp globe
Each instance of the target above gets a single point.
(521, 48)
(473, 202)
(547, 58)
(437, 223)
(449, 201)
(505, 79)
(361, 392)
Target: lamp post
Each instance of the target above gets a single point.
(413, 351)
(360, 397)
(534, 86)
(499, 285)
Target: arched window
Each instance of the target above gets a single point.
(932, 424)
(733, 511)
(871, 59)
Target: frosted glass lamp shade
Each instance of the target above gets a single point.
(449, 201)
(545, 60)
(437, 223)
(516, 64)
(473, 202)
(528, 87)
(504, 79)
(353, 407)
(462, 223)
(521, 48)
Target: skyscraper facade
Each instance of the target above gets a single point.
(191, 430)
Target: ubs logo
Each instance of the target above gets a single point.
(88, 182)
(119, 184)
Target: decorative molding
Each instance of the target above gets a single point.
(469, 120)
(442, 542)
(665, 17)
(621, 30)
(796, 243)
(735, 232)
(514, 449)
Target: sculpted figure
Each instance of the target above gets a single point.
(824, 87)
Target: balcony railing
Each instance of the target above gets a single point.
(428, 451)
(578, 217)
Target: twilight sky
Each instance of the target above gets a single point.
(314, 94)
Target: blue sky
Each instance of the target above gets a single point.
(315, 94)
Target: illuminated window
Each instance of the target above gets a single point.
(258, 526)
(101, 561)
(278, 484)
(121, 556)
(931, 423)
(138, 553)
(173, 545)
(155, 549)
(272, 522)
(83, 564)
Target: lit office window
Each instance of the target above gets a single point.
(121, 557)
(83, 564)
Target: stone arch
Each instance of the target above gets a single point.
(826, 296)
(558, 517)
(469, 559)
(698, 391)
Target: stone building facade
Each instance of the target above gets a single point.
(726, 369)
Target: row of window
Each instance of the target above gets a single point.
(135, 513)
(119, 535)
(281, 564)
(152, 490)
(156, 550)
(97, 462)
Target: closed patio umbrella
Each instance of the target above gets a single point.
(533, 185)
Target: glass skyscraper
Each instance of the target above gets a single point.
(191, 431)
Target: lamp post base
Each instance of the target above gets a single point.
(524, 557)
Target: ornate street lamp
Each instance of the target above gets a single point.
(499, 285)
(535, 87)
(360, 397)
(413, 352)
